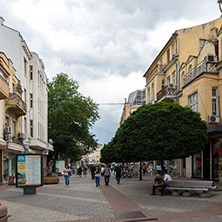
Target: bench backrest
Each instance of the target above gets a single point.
(191, 184)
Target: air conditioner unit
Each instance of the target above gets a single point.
(8, 138)
(211, 58)
(21, 136)
(213, 119)
(8, 130)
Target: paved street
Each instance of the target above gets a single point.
(128, 201)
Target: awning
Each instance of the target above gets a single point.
(16, 147)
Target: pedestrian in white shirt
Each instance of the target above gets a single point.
(166, 177)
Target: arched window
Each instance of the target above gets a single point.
(153, 91)
(190, 67)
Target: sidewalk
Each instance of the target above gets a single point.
(128, 201)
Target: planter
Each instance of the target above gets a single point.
(50, 180)
(11, 180)
(3, 213)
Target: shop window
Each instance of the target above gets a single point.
(197, 165)
(217, 159)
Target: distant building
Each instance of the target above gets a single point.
(135, 100)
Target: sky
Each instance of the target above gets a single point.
(106, 45)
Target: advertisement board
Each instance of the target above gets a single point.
(60, 165)
(29, 170)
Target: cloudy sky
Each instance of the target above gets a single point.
(106, 45)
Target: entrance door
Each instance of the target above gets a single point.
(206, 161)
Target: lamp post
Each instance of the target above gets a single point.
(220, 4)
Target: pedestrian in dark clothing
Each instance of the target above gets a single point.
(118, 173)
(158, 182)
(92, 169)
(107, 174)
(80, 171)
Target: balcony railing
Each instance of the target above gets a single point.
(202, 67)
(166, 91)
(15, 103)
(157, 69)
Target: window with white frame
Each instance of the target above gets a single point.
(31, 127)
(174, 78)
(174, 48)
(163, 83)
(214, 101)
(193, 101)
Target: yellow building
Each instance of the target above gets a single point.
(11, 108)
(187, 71)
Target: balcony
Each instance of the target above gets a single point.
(166, 94)
(16, 104)
(157, 69)
(203, 67)
(4, 88)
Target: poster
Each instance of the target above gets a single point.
(29, 170)
(60, 165)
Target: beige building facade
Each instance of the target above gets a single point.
(187, 71)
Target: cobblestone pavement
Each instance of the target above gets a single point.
(128, 201)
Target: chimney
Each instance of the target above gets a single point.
(1, 21)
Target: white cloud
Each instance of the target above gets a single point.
(105, 45)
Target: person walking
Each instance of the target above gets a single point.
(85, 171)
(158, 168)
(97, 176)
(66, 172)
(118, 173)
(92, 169)
(107, 174)
(80, 171)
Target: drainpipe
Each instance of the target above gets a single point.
(177, 70)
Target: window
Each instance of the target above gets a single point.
(163, 83)
(174, 48)
(148, 94)
(214, 101)
(31, 100)
(25, 66)
(13, 87)
(193, 101)
(168, 80)
(31, 127)
(174, 78)
(153, 91)
(14, 128)
(201, 43)
(25, 95)
(6, 121)
(197, 165)
(168, 55)
(31, 72)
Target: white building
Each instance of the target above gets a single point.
(30, 71)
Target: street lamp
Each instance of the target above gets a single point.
(220, 4)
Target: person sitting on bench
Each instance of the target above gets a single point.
(158, 182)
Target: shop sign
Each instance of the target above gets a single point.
(46, 152)
(29, 170)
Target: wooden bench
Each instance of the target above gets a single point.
(185, 187)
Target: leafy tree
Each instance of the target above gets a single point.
(70, 117)
(108, 153)
(161, 131)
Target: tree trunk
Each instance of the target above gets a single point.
(141, 178)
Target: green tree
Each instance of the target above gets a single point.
(161, 131)
(70, 117)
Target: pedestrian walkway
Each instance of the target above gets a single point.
(128, 201)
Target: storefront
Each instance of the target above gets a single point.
(8, 160)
